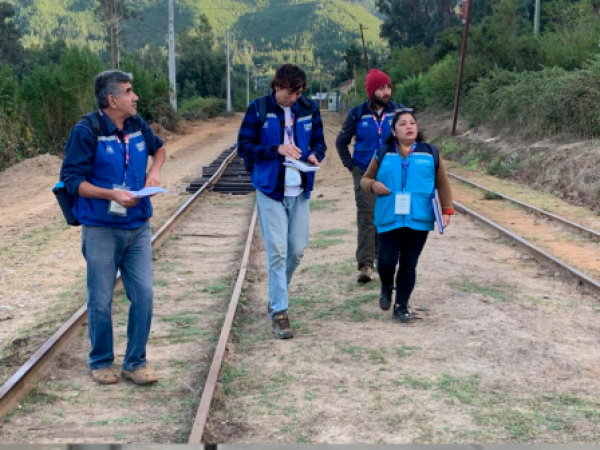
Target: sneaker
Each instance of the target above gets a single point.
(366, 274)
(402, 314)
(385, 298)
(281, 326)
(107, 375)
(141, 375)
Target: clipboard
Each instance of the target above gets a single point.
(437, 211)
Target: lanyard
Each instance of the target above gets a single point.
(379, 125)
(126, 154)
(290, 129)
(405, 161)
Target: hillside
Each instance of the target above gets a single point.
(309, 28)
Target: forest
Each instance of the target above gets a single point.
(51, 49)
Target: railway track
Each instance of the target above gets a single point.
(24, 380)
(209, 228)
(540, 233)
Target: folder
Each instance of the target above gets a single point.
(437, 211)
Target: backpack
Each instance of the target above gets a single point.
(432, 148)
(262, 117)
(66, 200)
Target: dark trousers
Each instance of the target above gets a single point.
(404, 246)
(366, 249)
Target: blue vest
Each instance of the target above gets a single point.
(107, 171)
(366, 141)
(418, 179)
(267, 175)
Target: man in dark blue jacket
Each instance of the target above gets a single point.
(369, 124)
(106, 157)
(292, 130)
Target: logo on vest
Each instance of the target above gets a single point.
(266, 125)
(109, 150)
(141, 146)
(423, 161)
(365, 124)
(307, 126)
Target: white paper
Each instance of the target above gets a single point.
(146, 192)
(403, 204)
(301, 165)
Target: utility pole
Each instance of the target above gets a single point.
(172, 79)
(362, 35)
(228, 76)
(466, 4)
(536, 18)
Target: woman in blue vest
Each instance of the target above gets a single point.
(404, 174)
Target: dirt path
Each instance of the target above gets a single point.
(41, 267)
(506, 353)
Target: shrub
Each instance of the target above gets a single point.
(202, 108)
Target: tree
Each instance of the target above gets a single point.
(11, 50)
(353, 59)
(413, 22)
(200, 69)
(113, 12)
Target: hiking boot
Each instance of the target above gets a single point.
(106, 375)
(141, 375)
(402, 314)
(281, 326)
(385, 298)
(366, 274)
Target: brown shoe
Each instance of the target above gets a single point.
(107, 375)
(281, 326)
(141, 375)
(366, 275)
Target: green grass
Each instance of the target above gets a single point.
(324, 242)
(358, 352)
(323, 205)
(488, 195)
(500, 292)
(333, 232)
(215, 289)
(464, 390)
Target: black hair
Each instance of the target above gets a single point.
(289, 76)
(107, 83)
(391, 139)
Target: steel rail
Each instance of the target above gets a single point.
(582, 277)
(22, 382)
(593, 233)
(210, 385)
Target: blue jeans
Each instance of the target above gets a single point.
(284, 226)
(106, 250)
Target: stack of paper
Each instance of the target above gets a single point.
(147, 192)
(303, 166)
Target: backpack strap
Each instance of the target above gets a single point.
(381, 151)
(358, 112)
(262, 109)
(436, 156)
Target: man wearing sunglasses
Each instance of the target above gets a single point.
(369, 125)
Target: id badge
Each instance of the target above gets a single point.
(403, 204)
(114, 208)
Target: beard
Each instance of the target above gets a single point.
(380, 101)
